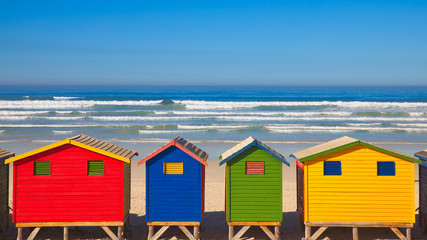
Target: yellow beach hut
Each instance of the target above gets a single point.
(350, 183)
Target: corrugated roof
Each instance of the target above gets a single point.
(422, 155)
(185, 146)
(343, 143)
(324, 147)
(88, 143)
(247, 143)
(105, 146)
(192, 148)
(5, 154)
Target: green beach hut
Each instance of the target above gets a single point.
(253, 187)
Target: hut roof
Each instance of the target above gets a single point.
(341, 144)
(5, 154)
(88, 143)
(421, 155)
(185, 146)
(244, 145)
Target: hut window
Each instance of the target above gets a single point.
(386, 169)
(41, 167)
(173, 168)
(332, 168)
(255, 168)
(95, 168)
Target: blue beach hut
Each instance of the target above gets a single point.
(175, 186)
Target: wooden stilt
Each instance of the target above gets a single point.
(19, 234)
(268, 232)
(307, 232)
(317, 233)
(230, 232)
(65, 233)
(110, 233)
(33, 233)
(187, 233)
(355, 233)
(408, 234)
(120, 233)
(160, 232)
(277, 232)
(241, 232)
(150, 232)
(196, 232)
(153, 235)
(398, 233)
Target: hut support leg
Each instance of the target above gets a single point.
(150, 232)
(317, 233)
(120, 233)
(355, 233)
(307, 232)
(269, 234)
(33, 233)
(196, 232)
(399, 234)
(277, 232)
(110, 233)
(241, 232)
(65, 233)
(408, 234)
(19, 234)
(230, 232)
(187, 233)
(159, 233)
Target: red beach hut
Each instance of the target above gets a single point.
(80, 181)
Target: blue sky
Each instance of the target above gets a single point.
(214, 42)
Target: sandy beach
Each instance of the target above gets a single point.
(214, 225)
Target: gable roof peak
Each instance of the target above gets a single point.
(186, 146)
(246, 144)
(88, 143)
(341, 144)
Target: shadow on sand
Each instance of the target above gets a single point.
(214, 226)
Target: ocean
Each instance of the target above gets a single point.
(214, 116)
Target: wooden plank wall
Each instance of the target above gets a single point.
(254, 197)
(423, 188)
(4, 187)
(174, 197)
(126, 188)
(300, 190)
(359, 195)
(69, 193)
